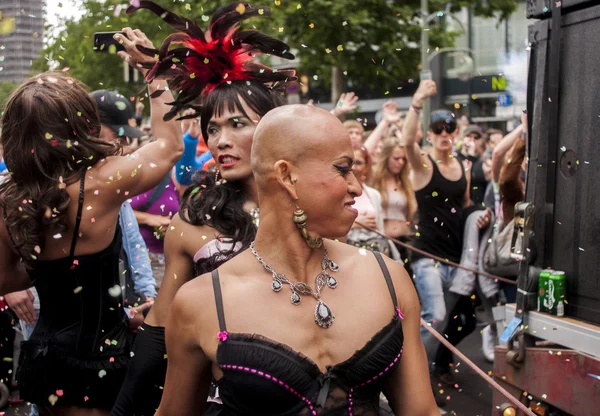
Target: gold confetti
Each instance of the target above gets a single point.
(261, 11)
(340, 48)
(312, 25)
(48, 136)
(241, 9)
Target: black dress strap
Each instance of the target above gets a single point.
(79, 211)
(219, 299)
(388, 278)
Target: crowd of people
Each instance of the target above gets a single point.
(138, 259)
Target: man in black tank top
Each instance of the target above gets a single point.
(441, 187)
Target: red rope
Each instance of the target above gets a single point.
(441, 260)
(478, 370)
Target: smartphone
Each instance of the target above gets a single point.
(104, 40)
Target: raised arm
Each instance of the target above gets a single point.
(145, 168)
(409, 389)
(504, 146)
(389, 116)
(427, 88)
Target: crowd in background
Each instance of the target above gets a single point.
(403, 189)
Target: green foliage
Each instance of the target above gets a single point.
(374, 42)
(6, 88)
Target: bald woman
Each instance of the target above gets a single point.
(299, 324)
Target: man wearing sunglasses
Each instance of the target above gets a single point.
(441, 186)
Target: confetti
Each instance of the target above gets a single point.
(57, 236)
(48, 136)
(101, 373)
(241, 9)
(340, 48)
(52, 399)
(115, 291)
(312, 25)
(77, 289)
(121, 105)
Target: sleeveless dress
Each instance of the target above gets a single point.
(262, 377)
(79, 350)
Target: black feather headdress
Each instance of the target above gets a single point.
(224, 53)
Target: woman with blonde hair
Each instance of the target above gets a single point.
(391, 179)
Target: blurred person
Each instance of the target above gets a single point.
(370, 211)
(219, 325)
(390, 117)
(391, 177)
(472, 145)
(71, 254)
(493, 138)
(219, 211)
(356, 132)
(442, 191)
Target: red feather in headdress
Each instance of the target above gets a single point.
(223, 54)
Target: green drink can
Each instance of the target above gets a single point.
(542, 303)
(557, 289)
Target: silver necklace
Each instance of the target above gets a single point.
(324, 316)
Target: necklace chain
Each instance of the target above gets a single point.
(324, 317)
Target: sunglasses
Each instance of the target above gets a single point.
(440, 126)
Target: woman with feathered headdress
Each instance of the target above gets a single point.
(215, 74)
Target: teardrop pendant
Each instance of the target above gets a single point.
(295, 299)
(276, 285)
(324, 316)
(331, 282)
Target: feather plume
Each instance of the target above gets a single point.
(201, 61)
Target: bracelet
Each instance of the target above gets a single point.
(415, 109)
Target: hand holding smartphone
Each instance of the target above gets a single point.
(105, 42)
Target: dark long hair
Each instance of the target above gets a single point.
(50, 130)
(220, 204)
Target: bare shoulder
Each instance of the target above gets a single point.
(358, 259)
(403, 285)
(188, 237)
(422, 171)
(195, 302)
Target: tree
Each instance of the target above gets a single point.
(370, 43)
(6, 88)
(373, 43)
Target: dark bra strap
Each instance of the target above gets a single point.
(79, 211)
(388, 278)
(218, 300)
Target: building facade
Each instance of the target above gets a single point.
(21, 45)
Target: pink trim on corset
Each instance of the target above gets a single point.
(388, 368)
(401, 315)
(222, 335)
(273, 379)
